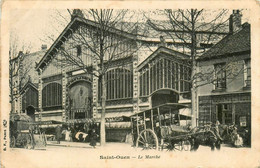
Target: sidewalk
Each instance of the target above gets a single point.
(86, 144)
(70, 144)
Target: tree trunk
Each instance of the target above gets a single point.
(193, 72)
(193, 107)
(11, 85)
(193, 93)
(102, 124)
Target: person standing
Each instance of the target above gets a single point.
(93, 138)
(58, 134)
(68, 134)
(31, 131)
(216, 130)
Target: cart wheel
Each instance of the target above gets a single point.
(186, 145)
(178, 146)
(168, 146)
(147, 139)
(30, 143)
(12, 143)
(44, 140)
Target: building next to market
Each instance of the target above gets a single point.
(225, 92)
(23, 76)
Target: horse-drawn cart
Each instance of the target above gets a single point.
(25, 133)
(162, 127)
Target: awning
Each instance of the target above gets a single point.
(118, 114)
(120, 125)
(164, 108)
(117, 117)
(20, 117)
(83, 120)
(49, 122)
(50, 126)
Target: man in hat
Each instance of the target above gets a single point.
(216, 130)
(58, 134)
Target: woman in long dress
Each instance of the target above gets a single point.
(68, 134)
(236, 138)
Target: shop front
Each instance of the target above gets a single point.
(228, 109)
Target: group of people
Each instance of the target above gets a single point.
(234, 137)
(76, 135)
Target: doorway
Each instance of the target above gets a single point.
(224, 113)
(164, 96)
(31, 112)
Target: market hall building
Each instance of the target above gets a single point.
(164, 77)
(69, 94)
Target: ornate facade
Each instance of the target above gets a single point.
(68, 93)
(154, 74)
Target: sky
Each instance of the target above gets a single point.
(35, 27)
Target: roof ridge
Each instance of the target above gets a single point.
(225, 45)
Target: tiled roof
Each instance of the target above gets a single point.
(146, 29)
(231, 44)
(136, 31)
(30, 60)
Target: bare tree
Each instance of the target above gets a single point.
(195, 30)
(18, 72)
(104, 38)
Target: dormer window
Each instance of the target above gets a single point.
(220, 76)
(247, 72)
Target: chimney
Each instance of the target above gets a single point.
(76, 13)
(20, 53)
(235, 21)
(162, 42)
(44, 47)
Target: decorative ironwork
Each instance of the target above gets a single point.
(119, 101)
(52, 78)
(144, 99)
(78, 78)
(73, 80)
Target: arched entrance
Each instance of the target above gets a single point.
(30, 110)
(164, 96)
(80, 98)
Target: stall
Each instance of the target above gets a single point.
(118, 128)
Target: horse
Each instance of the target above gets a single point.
(206, 136)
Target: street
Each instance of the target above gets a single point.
(115, 154)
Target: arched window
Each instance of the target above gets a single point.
(119, 84)
(30, 98)
(52, 96)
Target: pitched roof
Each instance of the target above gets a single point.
(147, 35)
(73, 24)
(30, 84)
(231, 44)
(163, 50)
